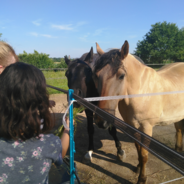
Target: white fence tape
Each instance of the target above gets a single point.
(172, 180)
(131, 96)
(64, 116)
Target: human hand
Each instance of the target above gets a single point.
(68, 121)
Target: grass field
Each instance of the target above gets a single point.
(56, 79)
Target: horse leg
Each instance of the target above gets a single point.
(179, 135)
(120, 153)
(143, 157)
(137, 145)
(90, 129)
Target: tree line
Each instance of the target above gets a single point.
(164, 43)
(42, 60)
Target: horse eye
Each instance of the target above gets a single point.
(122, 76)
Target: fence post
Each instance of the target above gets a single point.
(72, 143)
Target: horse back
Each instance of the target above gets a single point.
(173, 72)
(173, 68)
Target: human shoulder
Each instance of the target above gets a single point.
(50, 137)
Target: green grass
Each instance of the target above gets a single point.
(53, 79)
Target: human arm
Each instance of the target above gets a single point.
(65, 140)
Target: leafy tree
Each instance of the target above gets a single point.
(40, 60)
(163, 42)
(179, 46)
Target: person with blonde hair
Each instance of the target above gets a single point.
(7, 55)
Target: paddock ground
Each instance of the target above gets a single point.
(104, 168)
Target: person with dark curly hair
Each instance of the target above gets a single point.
(27, 150)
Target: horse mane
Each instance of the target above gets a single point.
(112, 58)
(138, 58)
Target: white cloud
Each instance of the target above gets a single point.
(68, 27)
(88, 37)
(84, 37)
(81, 23)
(132, 36)
(98, 32)
(34, 34)
(44, 35)
(48, 36)
(62, 27)
(37, 22)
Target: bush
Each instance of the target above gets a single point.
(62, 64)
(40, 60)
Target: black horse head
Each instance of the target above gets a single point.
(79, 75)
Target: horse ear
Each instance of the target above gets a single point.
(99, 50)
(67, 61)
(124, 50)
(89, 57)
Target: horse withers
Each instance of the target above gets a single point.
(79, 75)
(119, 73)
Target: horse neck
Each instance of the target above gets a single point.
(91, 89)
(135, 73)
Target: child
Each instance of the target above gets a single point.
(26, 149)
(7, 55)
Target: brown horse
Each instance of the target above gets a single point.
(119, 73)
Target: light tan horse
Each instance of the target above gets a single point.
(119, 73)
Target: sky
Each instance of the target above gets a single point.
(72, 27)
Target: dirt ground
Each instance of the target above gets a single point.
(105, 168)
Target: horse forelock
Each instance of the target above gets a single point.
(76, 66)
(112, 58)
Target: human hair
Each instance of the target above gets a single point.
(6, 54)
(24, 101)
